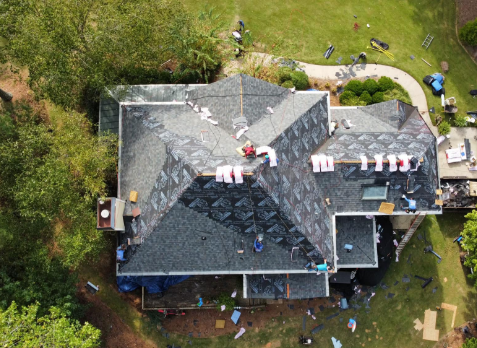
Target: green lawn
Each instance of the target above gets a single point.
(393, 317)
(303, 30)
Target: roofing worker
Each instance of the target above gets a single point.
(318, 268)
(249, 149)
(412, 205)
(242, 25)
(257, 245)
(120, 252)
(267, 159)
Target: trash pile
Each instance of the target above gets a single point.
(459, 193)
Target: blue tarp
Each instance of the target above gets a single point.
(152, 284)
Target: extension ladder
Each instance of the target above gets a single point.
(427, 41)
(415, 224)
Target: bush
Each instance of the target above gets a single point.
(287, 84)
(385, 84)
(354, 86)
(366, 98)
(398, 93)
(460, 121)
(225, 299)
(284, 74)
(444, 128)
(370, 86)
(468, 33)
(378, 97)
(300, 80)
(348, 98)
(470, 343)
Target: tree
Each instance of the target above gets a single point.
(51, 176)
(385, 84)
(365, 98)
(469, 242)
(468, 33)
(196, 44)
(460, 121)
(371, 86)
(70, 46)
(378, 97)
(24, 329)
(348, 98)
(5, 96)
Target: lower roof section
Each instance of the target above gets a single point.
(286, 286)
(359, 233)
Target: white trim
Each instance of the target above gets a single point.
(327, 284)
(153, 103)
(214, 272)
(375, 243)
(360, 265)
(342, 107)
(111, 96)
(333, 226)
(169, 84)
(311, 92)
(245, 285)
(430, 212)
(329, 113)
(120, 145)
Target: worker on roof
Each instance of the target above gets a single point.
(412, 205)
(257, 245)
(120, 252)
(249, 149)
(267, 159)
(318, 268)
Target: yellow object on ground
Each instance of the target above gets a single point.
(451, 308)
(430, 333)
(418, 325)
(133, 196)
(220, 324)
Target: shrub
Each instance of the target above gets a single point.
(444, 128)
(327, 85)
(398, 93)
(460, 121)
(287, 84)
(470, 343)
(225, 299)
(378, 97)
(334, 90)
(385, 84)
(348, 98)
(355, 86)
(370, 86)
(284, 74)
(468, 33)
(366, 98)
(300, 80)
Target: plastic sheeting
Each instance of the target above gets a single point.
(152, 284)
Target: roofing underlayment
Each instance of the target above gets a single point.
(191, 224)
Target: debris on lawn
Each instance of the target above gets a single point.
(304, 322)
(240, 333)
(317, 329)
(418, 325)
(219, 324)
(430, 333)
(235, 316)
(451, 308)
(332, 316)
(336, 343)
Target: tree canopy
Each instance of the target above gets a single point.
(71, 45)
(469, 242)
(23, 328)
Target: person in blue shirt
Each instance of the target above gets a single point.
(412, 205)
(120, 253)
(258, 245)
(267, 160)
(317, 268)
(242, 25)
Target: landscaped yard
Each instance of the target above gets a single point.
(392, 317)
(303, 30)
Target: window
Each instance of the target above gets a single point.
(375, 193)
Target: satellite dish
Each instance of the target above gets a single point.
(105, 213)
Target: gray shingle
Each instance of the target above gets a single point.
(359, 232)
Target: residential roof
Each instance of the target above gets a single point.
(360, 232)
(291, 286)
(191, 224)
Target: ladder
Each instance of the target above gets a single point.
(427, 41)
(415, 224)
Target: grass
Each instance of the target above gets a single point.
(303, 30)
(393, 317)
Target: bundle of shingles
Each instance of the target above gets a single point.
(204, 113)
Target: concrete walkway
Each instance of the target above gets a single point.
(344, 72)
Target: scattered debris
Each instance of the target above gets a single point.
(336, 343)
(430, 333)
(432, 110)
(412, 57)
(434, 290)
(451, 308)
(318, 329)
(311, 310)
(328, 52)
(240, 333)
(249, 323)
(332, 316)
(222, 308)
(235, 316)
(291, 306)
(425, 61)
(234, 294)
(339, 60)
(427, 41)
(390, 295)
(219, 324)
(304, 322)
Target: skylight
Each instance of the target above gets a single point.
(375, 193)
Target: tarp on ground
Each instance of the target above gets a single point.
(153, 285)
